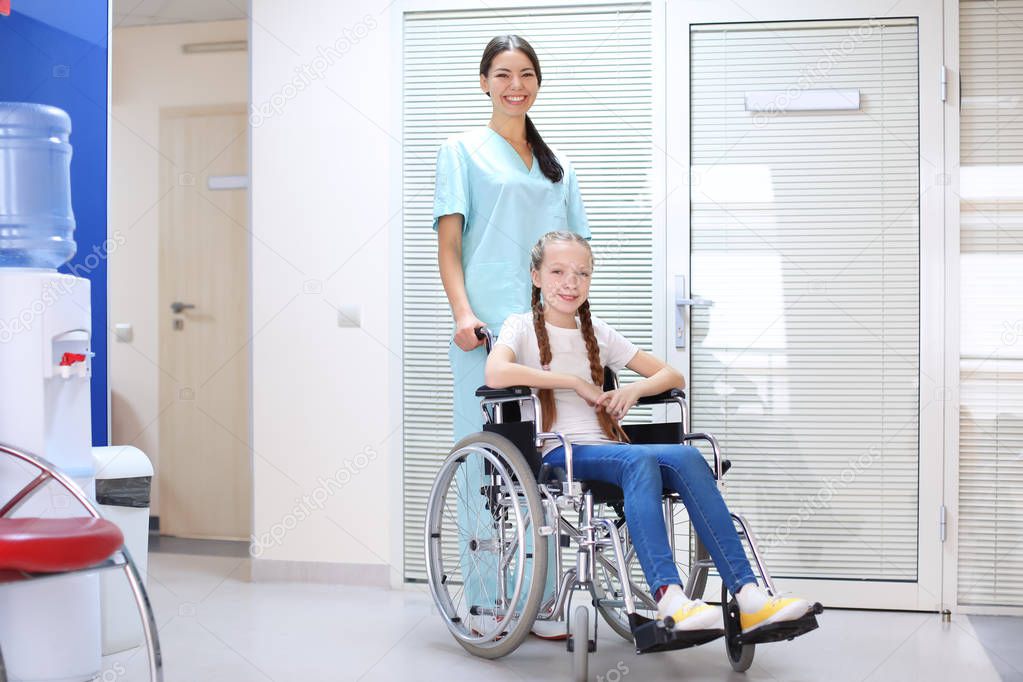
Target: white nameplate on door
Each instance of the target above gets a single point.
(227, 182)
(794, 99)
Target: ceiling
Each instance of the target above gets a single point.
(149, 12)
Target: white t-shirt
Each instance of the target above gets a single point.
(575, 419)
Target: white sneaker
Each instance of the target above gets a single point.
(688, 614)
(775, 610)
(557, 630)
(552, 630)
(696, 615)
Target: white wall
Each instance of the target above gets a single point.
(151, 72)
(321, 219)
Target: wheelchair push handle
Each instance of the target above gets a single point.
(487, 336)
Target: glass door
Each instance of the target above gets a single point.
(807, 267)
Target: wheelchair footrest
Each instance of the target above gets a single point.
(790, 629)
(651, 636)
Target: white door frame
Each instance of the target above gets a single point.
(926, 593)
(950, 550)
(953, 291)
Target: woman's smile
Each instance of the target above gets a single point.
(512, 82)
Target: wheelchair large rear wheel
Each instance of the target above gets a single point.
(486, 561)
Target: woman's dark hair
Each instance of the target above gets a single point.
(548, 161)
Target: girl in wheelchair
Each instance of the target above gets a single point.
(561, 349)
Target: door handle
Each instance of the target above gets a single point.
(698, 302)
(178, 307)
(681, 302)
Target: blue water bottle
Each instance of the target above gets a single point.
(37, 225)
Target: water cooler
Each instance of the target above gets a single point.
(49, 630)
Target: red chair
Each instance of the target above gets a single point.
(36, 548)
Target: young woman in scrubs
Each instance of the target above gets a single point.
(499, 188)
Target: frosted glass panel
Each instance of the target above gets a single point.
(805, 234)
(991, 297)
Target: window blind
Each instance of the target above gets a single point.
(805, 233)
(595, 106)
(990, 542)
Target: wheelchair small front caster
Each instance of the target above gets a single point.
(740, 656)
(579, 639)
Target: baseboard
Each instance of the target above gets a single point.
(368, 575)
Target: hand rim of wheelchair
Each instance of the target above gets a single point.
(487, 645)
(499, 640)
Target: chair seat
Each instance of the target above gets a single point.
(39, 545)
(604, 492)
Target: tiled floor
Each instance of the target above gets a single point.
(214, 627)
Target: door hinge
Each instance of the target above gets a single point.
(942, 523)
(944, 83)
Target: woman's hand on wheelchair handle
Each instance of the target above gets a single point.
(465, 332)
(618, 402)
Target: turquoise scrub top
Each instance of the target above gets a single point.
(506, 208)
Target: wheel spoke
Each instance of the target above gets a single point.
(464, 493)
(454, 521)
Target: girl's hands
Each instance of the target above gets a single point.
(465, 332)
(587, 391)
(617, 403)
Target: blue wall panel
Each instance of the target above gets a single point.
(56, 52)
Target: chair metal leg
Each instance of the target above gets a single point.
(149, 631)
(48, 471)
(23, 494)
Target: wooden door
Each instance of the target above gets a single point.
(204, 468)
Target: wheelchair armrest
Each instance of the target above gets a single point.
(667, 396)
(508, 392)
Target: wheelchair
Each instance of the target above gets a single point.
(494, 507)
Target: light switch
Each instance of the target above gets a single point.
(123, 332)
(349, 315)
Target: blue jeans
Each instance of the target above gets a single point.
(642, 472)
